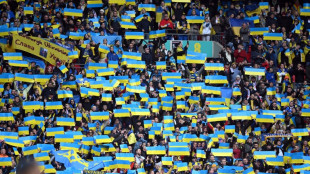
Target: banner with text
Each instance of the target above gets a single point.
(44, 49)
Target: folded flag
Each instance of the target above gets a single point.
(157, 33)
(273, 36)
(300, 132)
(73, 12)
(259, 31)
(134, 35)
(147, 7)
(13, 56)
(248, 171)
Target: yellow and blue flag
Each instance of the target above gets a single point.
(41, 156)
(304, 12)
(128, 25)
(222, 152)
(264, 154)
(64, 138)
(157, 33)
(99, 139)
(255, 19)
(73, 12)
(54, 130)
(19, 63)
(63, 69)
(200, 154)
(263, 5)
(277, 161)
(65, 94)
(73, 55)
(94, 4)
(14, 142)
(53, 105)
(121, 113)
(147, 7)
(99, 115)
(13, 56)
(273, 36)
(28, 10)
(254, 71)
(178, 151)
(214, 66)
(23, 130)
(166, 160)
(264, 119)
(24, 78)
(300, 132)
(6, 116)
(29, 150)
(195, 19)
(134, 35)
(76, 36)
(5, 161)
(61, 121)
(35, 105)
(156, 150)
(252, 9)
(259, 30)
(237, 23)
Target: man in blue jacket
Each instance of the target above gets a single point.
(112, 56)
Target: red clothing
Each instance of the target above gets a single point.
(265, 64)
(164, 22)
(239, 57)
(237, 153)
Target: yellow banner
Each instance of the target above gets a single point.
(44, 49)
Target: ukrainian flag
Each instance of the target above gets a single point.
(273, 36)
(28, 105)
(73, 55)
(99, 115)
(271, 91)
(28, 139)
(23, 130)
(122, 164)
(28, 10)
(300, 132)
(77, 135)
(259, 31)
(215, 101)
(24, 78)
(49, 169)
(169, 126)
(147, 123)
(14, 142)
(12, 56)
(195, 19)
(63, 69)
(106, 97)
(134, 35)
(53, 105)
(241, 138)
(195, 59)
(6, 78)
(278, 161)
(99, 139)
(30, 120)
(181, 104)
(61, 121)
(94, 4)
(89, 141)
(141, 171)
(252, 9)
(304, 12)
(121, 113)
(131, 13)
(214, 66)
(113, 64)
(296, 158)
(264, 154)
(168, 119)
(54, 130)
(29, 150)
(171, 75)
(76, 36)
(64, 94)
(6, 117)
(107, 130)
(285, 102)
(6, 161)
(15, 110)
(178, 151)
(126, 18)
(136, 64)
(73, 12)
(249, 171)
(182, 167)
(255, 19)
(263, 5)
(225, 171)
(223, 145)
(211, 90)
(156, 150)
(305, 112)
(119, 2)
(272, 112)
(64, 138)
(218, 107)
(161, 65)
(230, 129)
(157, 33)
(237, 23)
(147, 7)
(134, 82)
(104, 49)
(264, 119)
(255, 71)
(306, 5)
(41, 156)
(216, 79)
(128, 25)
(131, 55)
(41, 78)
(166, 160)
(222, 152)
(242, 115)
(139, 112)
(200, 154)
(90, 73)
(140, 17)
(19, 63)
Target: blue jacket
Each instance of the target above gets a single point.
(270, 77)
(112, 56)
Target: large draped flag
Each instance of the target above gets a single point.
(237, 23)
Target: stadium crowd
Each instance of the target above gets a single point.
(131, 105)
